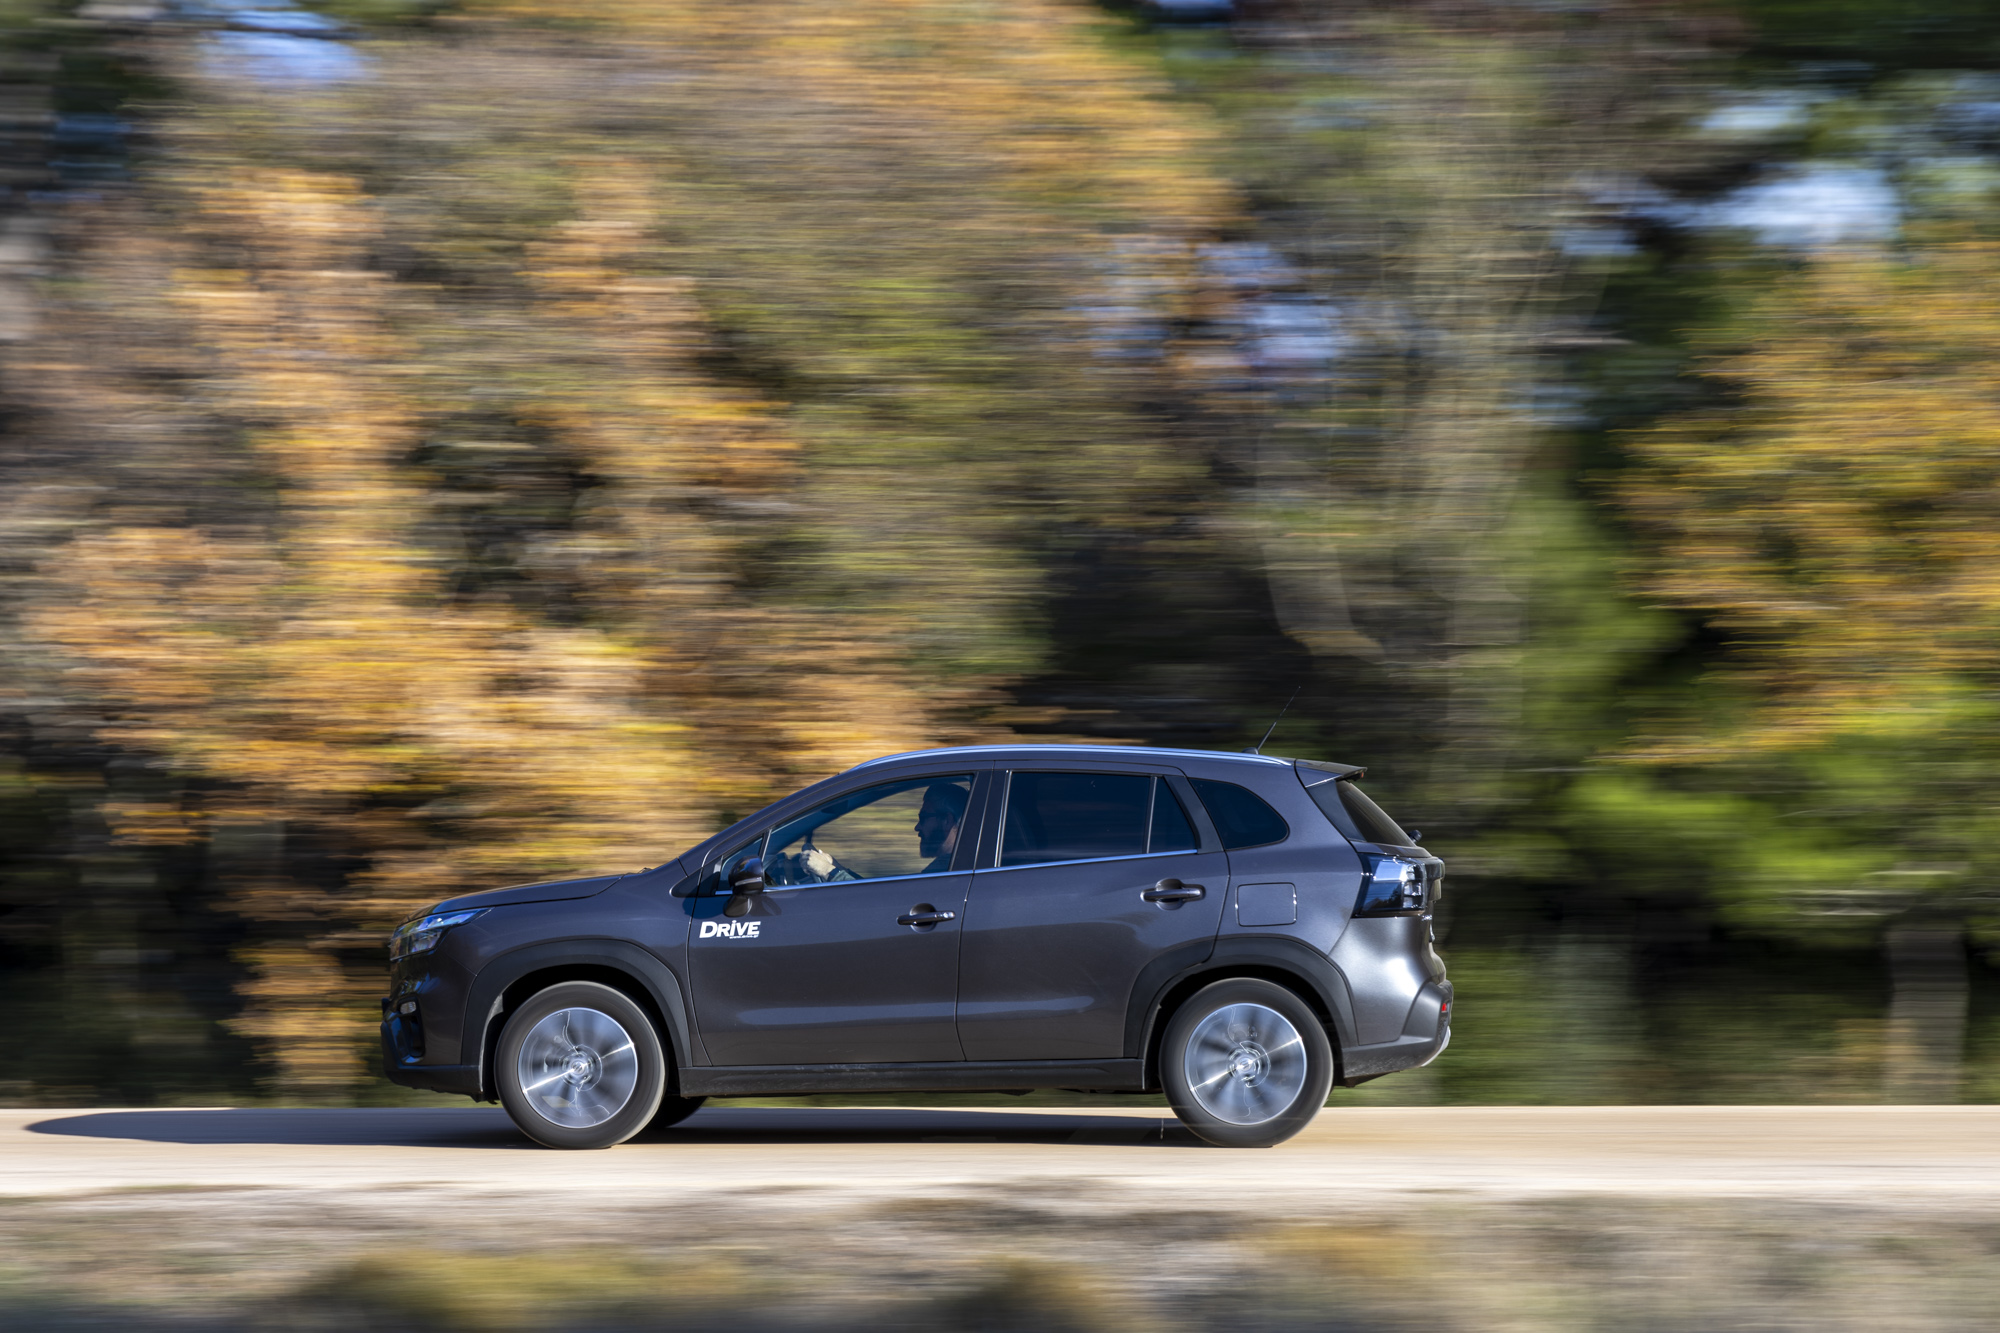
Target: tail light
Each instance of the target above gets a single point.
(1396, 886)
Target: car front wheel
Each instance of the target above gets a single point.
(1246, 1063)
(580, 1066)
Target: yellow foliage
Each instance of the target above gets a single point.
(272, 599)
(1020, 89)
(317, 669)
(1837, 513)
(302, 1008)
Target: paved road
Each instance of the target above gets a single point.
(1936, 1156)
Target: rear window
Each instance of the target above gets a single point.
(1241, 816)
(1355, 815)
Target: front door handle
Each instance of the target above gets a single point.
(923, 914)
(1173, 891)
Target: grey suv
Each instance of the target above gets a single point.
(1236, 930)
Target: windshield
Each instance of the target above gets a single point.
(1355, 815)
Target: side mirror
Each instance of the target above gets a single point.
(746, 879)
(1416, 836)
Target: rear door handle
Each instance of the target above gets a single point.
(922, 915)
(1173, 891)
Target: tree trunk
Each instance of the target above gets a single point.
(1927, 1007)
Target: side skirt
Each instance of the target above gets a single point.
(951, 1076)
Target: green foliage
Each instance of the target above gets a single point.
(424, 488)
(1950, 34)
(1753, 865)
(1829, 515)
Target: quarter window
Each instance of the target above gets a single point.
(1242, 817)
(1171, 830)
(1075, 817)
(718, 883)
(894, 829)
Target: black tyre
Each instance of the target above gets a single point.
(672, 1111)
(580, 1066)
(1246, 1063)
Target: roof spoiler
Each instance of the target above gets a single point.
(1334, 772)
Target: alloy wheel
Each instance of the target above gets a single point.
(1245, 1064)
(578, 1067)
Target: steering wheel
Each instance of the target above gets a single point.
(832, 872)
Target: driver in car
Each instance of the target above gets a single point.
(937, 825)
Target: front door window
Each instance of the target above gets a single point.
(886, 832)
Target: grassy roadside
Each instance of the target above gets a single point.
(431, 1259)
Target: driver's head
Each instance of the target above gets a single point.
(937, 822)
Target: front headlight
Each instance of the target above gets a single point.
(421, 934)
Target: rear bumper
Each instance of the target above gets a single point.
(1361, 1063)
(1425, 1035)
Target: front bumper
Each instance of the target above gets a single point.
(403, 1053)
(402, 1067)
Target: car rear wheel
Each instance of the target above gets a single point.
(1246, 1063)
(580, 1066)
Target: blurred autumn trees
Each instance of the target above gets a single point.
(487, 489)
(577, 430)
(1838, 516)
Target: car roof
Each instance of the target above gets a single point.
(1126, 753)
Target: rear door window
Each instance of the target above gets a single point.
(1075, 817)
(1242, 817)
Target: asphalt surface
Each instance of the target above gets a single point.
(1930, 1156)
